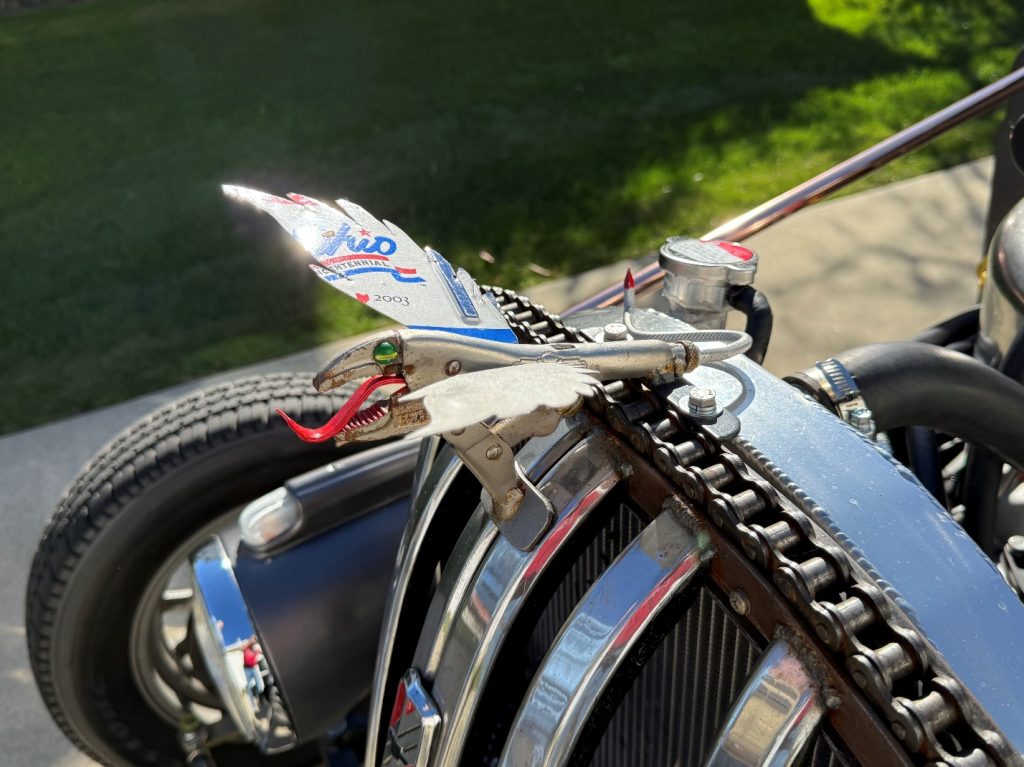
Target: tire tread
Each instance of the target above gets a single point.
(149, 450)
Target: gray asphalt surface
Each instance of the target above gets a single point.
(875, 266)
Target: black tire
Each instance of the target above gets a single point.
(141, 497)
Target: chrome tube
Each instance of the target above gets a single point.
(831, 180)
(536, 457)
(424, 510)
(603, 628)
(775, 716)
(503, 586)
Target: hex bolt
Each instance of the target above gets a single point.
(739, 602)
(493, 453)
(452, 367)
(702, 402)
(863, 420)
(615, 331)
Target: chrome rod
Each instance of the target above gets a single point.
(503, 587)
(660, 563)
(536, 458)
(832, 180)
(775, 716)
(422, 518)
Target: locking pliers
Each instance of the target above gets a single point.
(408, 361)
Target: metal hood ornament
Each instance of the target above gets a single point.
(380, 266)
(458, 370)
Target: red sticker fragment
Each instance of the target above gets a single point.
(735, 249)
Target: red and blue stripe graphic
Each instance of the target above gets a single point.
(504, 335)
(399, 273)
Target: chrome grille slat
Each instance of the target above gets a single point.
(473, 544)
(600, 634)
(433, 491)
(776, 716)
(536, 457)
(518, 662)
(621, 528)
(575, 486)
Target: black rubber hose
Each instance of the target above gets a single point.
(754, 304)
(964, 346)
(917, 384)
(958, 333)
(956, 328)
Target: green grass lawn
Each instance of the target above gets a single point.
(565, 134)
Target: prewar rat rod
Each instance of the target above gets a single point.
(703, 532)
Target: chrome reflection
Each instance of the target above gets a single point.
(603, 628)
(424, 507)
(230, 647)
(536, 458)
(413, 725)
(775, 716)
(575, 486)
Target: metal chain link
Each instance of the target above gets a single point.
(927, 710)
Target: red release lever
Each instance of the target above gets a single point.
(341, 419)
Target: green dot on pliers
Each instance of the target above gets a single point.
(385, 353)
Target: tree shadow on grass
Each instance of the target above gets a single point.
(565, 134)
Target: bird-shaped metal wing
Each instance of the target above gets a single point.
(505, 392)
(379, 265)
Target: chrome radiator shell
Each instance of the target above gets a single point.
(898, 536)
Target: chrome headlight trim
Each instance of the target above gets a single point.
(535, 458)
(504, 583)
(219, 607)
(660, 563)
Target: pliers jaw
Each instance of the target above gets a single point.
(380, 355)
(378, 363)
(385, 421)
